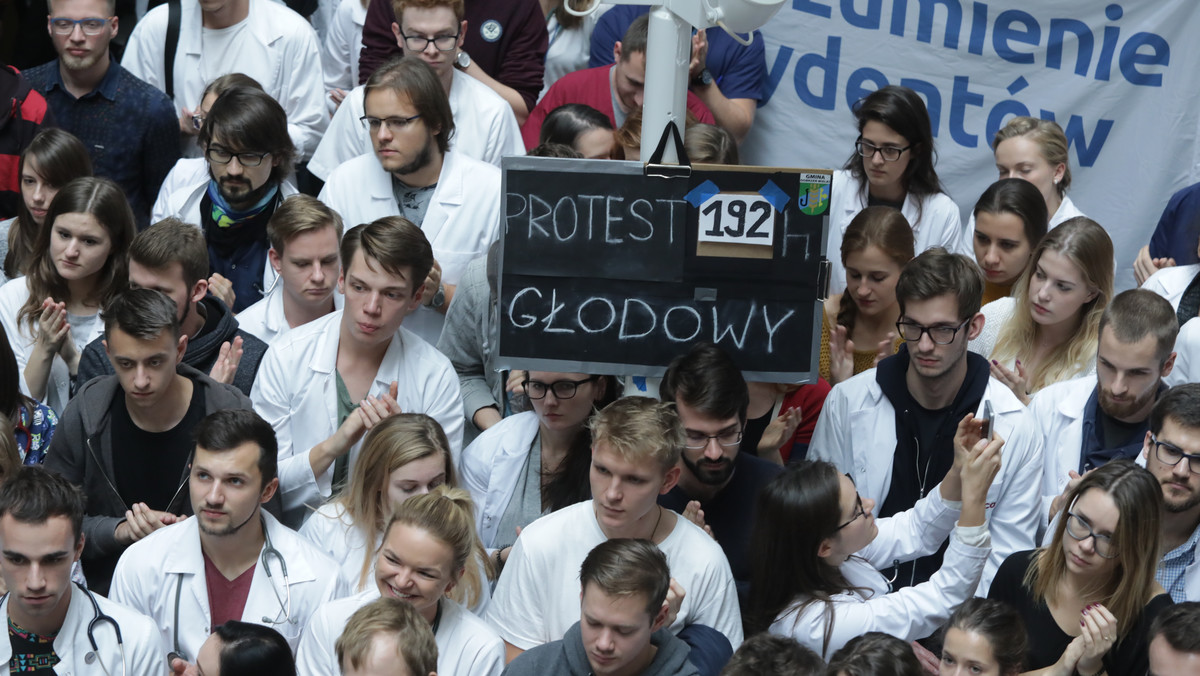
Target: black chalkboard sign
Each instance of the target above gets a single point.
(608, 268)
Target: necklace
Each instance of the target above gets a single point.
(656, 522)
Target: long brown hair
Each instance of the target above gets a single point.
(1131, 584)
(60, 158)
(882, 227)
(104, 200)
(390, 445)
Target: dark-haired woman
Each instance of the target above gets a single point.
(1009, 222)
(821, 585)
(535, 462)
(984, 637)
(585, 129)
(52, 159)
(52, 313)
(892, 166)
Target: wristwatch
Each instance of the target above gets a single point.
(463, 60)
(439, 298)
(704, 79)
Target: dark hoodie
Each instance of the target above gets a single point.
(82, 452)
(219, 327)
(568, 656)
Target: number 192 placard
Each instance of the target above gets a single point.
(737, 218)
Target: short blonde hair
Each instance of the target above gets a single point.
(640, 428)
(395, 619)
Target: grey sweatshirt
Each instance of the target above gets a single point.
(568, 656)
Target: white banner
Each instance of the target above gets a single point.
(1121, 79)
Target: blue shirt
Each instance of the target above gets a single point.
(739, 71)
(1174, 564)
(1178, 228)
(128, 127)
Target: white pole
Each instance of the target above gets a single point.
(668, 53)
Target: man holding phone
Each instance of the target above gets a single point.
(892, 428)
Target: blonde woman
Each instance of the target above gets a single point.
(1036, 151)
(404, 456)
(425, 554)
(1047, 331)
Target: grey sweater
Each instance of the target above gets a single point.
(82, 452)
(568, 656)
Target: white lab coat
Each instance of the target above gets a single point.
(1053, 430)
(462, 221)
(265, 319)
(182, 191)
(857, 433)
(485, 128)
(466, 645)
(1170, 283)
(288, 67)
(909, 613)
(940, 224)
(1187, 351)
(489, 469)
(296, 391)
(13, 295)
(151, 569)
(144, 651)
(340, 47)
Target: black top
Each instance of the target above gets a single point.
(149, 465)
(1047, 641)
(730, 513)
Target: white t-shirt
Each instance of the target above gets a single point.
(223, 50)
(466, 645)
(537, 597)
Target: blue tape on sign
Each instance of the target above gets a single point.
(700, 194)
(775, 195)
(639, 384)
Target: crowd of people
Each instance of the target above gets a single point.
(251, 420)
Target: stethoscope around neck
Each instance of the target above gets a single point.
(98, 617)
(285, 602)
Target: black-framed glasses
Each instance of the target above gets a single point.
(562, 389)
(728, 438)
(393, 124)
(868, 150)
(222, 156)
(940, 335)
(418, 43)
(1082, 530)
(90, 26)
(858, 508)
(1170, 454)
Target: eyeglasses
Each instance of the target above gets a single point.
(889, 153)
(393, 124)
(562, 389)
(858, 509)
(940, 335)
(1080, 530)
(1170, 454)
(728, 438)
(222, 156)
(418, 43)
(92, 26)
